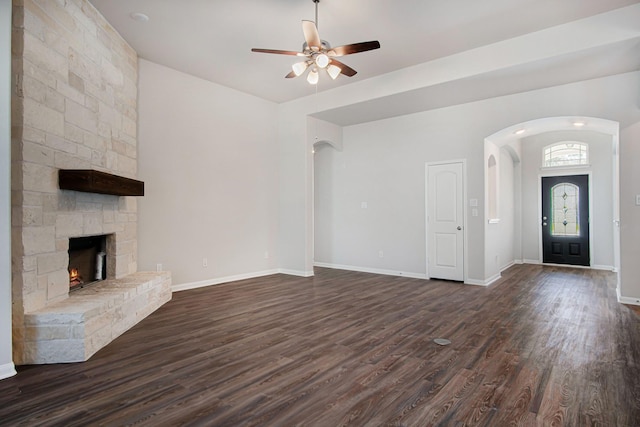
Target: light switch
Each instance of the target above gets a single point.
(637, 199)
(474, 212)
(364, 205)
(473, 202)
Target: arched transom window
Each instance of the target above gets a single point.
(567, 153)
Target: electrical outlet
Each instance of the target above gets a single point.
(266, 254)
(380, 254)
(364, 205)
(205, 263)
(158, 267)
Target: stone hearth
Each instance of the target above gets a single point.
(72, 330)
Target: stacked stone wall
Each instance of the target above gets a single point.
(74, 106)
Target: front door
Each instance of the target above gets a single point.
(565, 220)
(445, 235)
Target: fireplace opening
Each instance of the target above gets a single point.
(87, 260)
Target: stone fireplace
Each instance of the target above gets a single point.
(74, 106)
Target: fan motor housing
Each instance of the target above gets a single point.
(324, 47)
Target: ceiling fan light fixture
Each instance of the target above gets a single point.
(319, 54)
(322, 60)
(333, 71)
(313, 77)
(299, 67)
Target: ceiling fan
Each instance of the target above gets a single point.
(319, 54)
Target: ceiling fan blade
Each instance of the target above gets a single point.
(279, 52)
(344, 68)
(311, 35)
(348, 49)
(290, 75)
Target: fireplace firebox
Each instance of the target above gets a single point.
(87, 260)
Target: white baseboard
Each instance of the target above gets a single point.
(486, 282)
(220, 280)
(371, 270)
(593, 267)
(227, 279)
(235, 278)
(493, 279)
(627, 300)
(475, 282)
(296, 272)
(509, 265)
(584, 267)
(7, 370)
(604, 267)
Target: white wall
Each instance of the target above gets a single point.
(516, 148)
(383, 164)
(508, 180)
(601, 161)
(630, 211)
(323, 132)
(500, 236)
(6, 362)
(209, 158)
(324, 185)
(295, 247)
(326, 137)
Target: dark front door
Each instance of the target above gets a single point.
(565, 220)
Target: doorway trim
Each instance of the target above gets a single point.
(465, 264)
(564, 172)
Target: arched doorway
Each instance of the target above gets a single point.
(523, 143)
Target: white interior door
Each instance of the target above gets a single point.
(445, 220)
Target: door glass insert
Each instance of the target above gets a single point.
(565, 219)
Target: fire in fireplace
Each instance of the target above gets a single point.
(87, 260)
(74, 278)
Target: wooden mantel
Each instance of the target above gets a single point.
(93, 181)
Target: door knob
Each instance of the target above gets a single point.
(544, 223)
(459, 228)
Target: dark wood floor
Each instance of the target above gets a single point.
(544, 346)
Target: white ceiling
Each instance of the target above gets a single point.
(212, 39)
